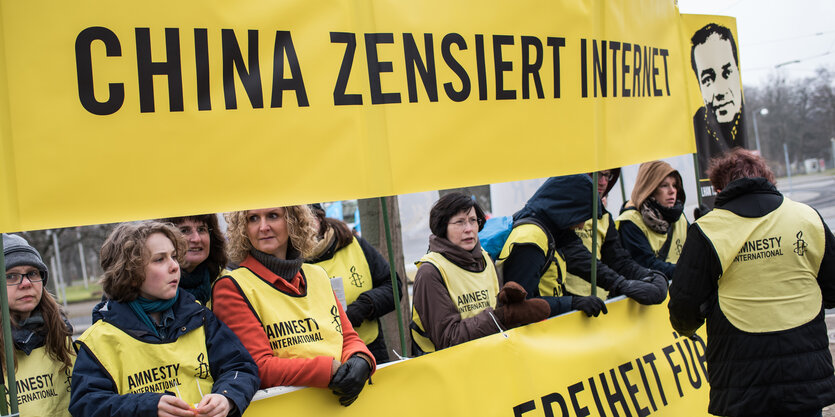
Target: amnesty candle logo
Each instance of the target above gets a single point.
(336, 322)
(800, 245)
(203, 367)
(356, 278)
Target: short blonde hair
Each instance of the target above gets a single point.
(301, 226)
(123, 257)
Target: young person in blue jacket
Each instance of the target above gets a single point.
(156, 351)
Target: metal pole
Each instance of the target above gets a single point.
(394, 286)
(594, 209)
(8, 344)
(81, 256)
(788, 166)
(622, 188)
(757, 133)
(60, 268)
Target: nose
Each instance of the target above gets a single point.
(263, 226)
(194, 236)
(174, 266)
(25, 282)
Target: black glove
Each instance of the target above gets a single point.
(359, 310)
(700, 211)
(349, 379)
(648, 290)
(591, 305)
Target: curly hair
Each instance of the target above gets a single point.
(301, 226)
(124, 255)
(735, 164)
(217, 259)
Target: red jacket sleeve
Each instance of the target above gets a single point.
(230, 307)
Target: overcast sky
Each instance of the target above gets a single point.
(774, 32)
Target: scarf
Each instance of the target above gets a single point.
(142, 306)
(659, 218)
(197, 282)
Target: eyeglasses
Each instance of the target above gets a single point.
(201, 230)
(463, 222)
(608, 175)
(17, 279)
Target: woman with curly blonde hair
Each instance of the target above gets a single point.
(284, 311)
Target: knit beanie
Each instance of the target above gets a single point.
(17, 252)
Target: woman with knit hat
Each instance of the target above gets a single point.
(155, 351)
(40, 333)
(652, 225)
(285, 311)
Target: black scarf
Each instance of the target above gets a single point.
(659, 218)
(197, 282)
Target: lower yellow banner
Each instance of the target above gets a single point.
(627, 363)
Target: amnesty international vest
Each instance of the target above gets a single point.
(573, 283)
(551, 281)
(180, 366)
(43, 389)
(770, 265)
(471, 292)
(656, 240)
(303, 326)
(350, 264)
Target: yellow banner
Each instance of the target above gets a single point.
(628, 362)
(129, 110)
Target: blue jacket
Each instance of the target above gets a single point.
(233, 370)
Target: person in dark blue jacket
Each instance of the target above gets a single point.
(155, 350)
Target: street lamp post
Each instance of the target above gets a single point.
(763, 111)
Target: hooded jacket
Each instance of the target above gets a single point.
(650, 175)
(559, 204)
(94, 393)
(762, 372)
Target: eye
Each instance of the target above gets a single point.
(273, 215)
(252, 218)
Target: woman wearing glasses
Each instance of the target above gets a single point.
(40, 333)
(205, 256)
(155, 352)
(456, 291)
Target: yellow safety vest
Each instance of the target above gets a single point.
(656, 240)
(350, 264)
(303, 326)
(551, 281)
(179, 366)
(770, 265)
(574, 284)
(471, 292)
(43, 389)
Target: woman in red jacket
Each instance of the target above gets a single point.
(284, 311)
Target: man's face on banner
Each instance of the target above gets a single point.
(718, 78)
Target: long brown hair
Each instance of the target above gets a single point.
(57, 334)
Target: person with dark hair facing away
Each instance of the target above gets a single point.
(652, 225)
(456, 291)
(617, 272)
(40, 333)
(205, 257)
(150, 327)
(760, 269)
(272, 288)
(366, 278)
